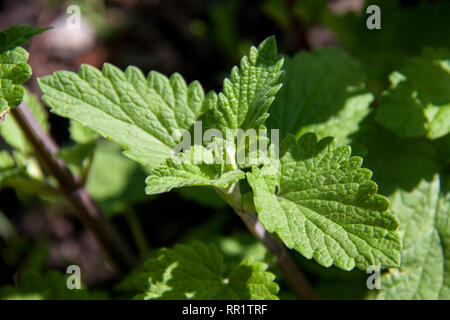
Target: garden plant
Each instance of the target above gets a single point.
(335, 161)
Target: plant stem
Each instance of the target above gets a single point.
(293, 275)
(87, 169)
(78, 198)
(137, 231)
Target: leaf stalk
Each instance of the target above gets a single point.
(291, 272)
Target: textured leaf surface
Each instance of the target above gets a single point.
(324, 92)
(425, 228)
(324, 205)
(182, 171)
(142, 114)
(250, 90)
(418, 102)
(13, 67)
(197, 272)
(13, 72)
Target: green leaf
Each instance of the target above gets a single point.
(395, 162)
(324, 92)
(8, 167)
(14, 69)
(115, 182)
(418, 102)
(76, 154)
(12, 133)
(17, 35)
(242, 245)
(324, 205)
(405, 30)
(249, 92)
(6, 160)
(7, 229)
(197, 272)
(183, 171)
(26, 166)
(81, 134)
(143, 114)
(425, 228)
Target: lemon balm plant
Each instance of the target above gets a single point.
(307, 194)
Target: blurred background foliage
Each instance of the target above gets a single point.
(202, 40)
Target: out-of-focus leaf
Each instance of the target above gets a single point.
(424, 215)
(418, 101)
(404, 31)
(115, 181)
(82, 134)
(397, 163)
(75, 154)
(12, 133)
(324, 92)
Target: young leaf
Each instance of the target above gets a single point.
(324, 92)
(324, 205)
(13, 72)
(425, 228)
(182, 171)
(14, 69)
(418, 102)
(250, 90)
(197, 272)
(143, 115)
